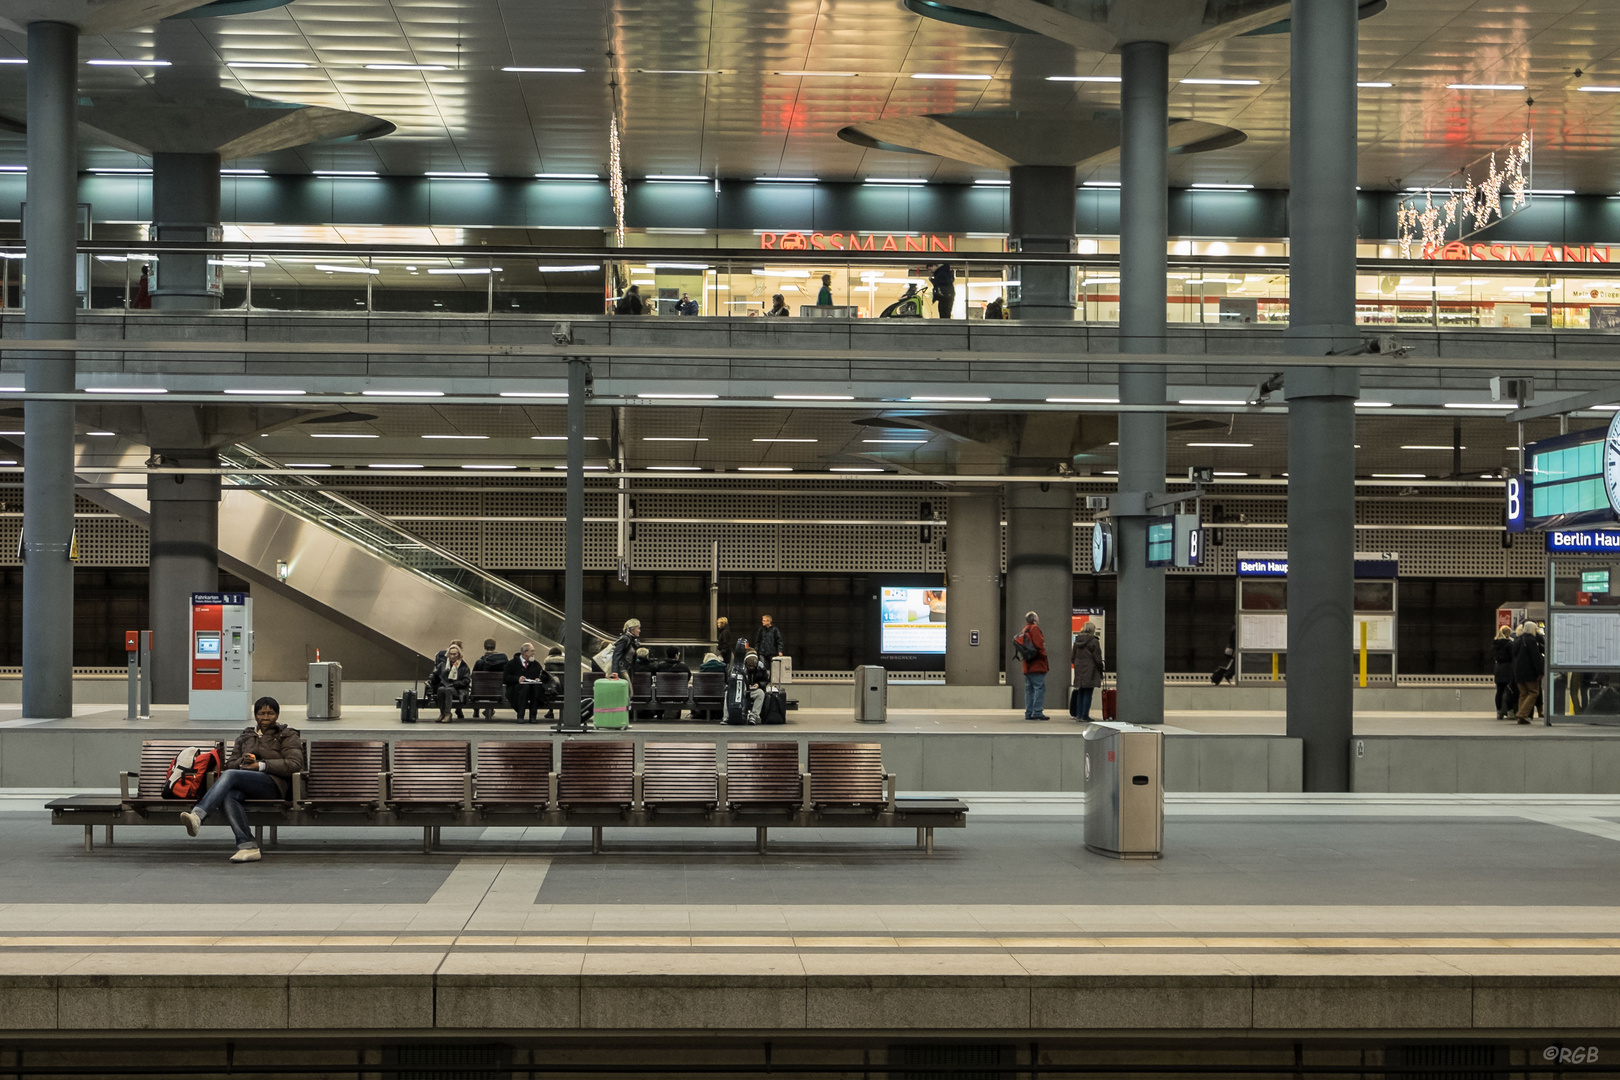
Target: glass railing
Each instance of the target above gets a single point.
(308, 500)
(1580, 291)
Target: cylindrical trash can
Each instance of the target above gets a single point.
(325, 690)
(1124, 766)
(871, 694)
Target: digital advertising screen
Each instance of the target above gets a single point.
(913, 620)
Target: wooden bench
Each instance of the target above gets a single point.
(679, 776)
(152, 774)
(433, 784)
(488, 692)
(707, 692)
(849, 775)
(669, 693)
(514, 777)
(346, 774)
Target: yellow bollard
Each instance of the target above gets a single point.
(1364, 654)
(1273, 667)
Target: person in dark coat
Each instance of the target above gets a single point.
(490, 661)
(260, 765)
(1507, 687)
(554, 665)
(624, 650)
(450, 682)
(943, 280)
(672, 664)
(778, 305)
(528, 686)
(1228, 669)
(642, 664)
(768, 642)
(1527, 669)
(1088, 670)
(631, 302)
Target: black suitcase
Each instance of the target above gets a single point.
(407, 707)
(736, 711)
(774, 709)
(1074, 703)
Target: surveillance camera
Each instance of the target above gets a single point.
(563, 333)
(1387, 345)
(1201, 474)
(155, 461)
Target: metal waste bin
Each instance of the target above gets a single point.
(325, 689)
(1124, 791)
(871, 694)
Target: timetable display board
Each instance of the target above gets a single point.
(1586, 640)
(1562, 486)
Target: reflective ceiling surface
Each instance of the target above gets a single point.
(745, 88)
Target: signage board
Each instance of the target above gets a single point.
(1161, 541)
(1594, 581)
(1513, 511)
(856, 241)
(1582, 541)
(1564, 485)
(1369, 564)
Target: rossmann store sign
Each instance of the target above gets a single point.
(1458, 251)
(856, 241)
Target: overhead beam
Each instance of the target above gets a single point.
(1608, 395)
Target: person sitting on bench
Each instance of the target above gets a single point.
(490, 661)
(712, 662)
(451, 682)
(259, 766)
(642, 664)
(757, 678)
(527, 685)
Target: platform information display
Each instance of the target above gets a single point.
(913, 621)
(1586, 639)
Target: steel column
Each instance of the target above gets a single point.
(184, 559)
(973, 581)
(51, 227)
(1143, 262)
(574, 547)
(1040, 578)
(1321, 401)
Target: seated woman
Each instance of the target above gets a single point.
(712, 662)
(451, 682)
(259, 766)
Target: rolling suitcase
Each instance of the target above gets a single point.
(1108, 696)
(773, 710)
(407, 707)
(610, 704)
(736, 707)
(1074, 703)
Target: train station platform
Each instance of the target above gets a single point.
(1437, 916)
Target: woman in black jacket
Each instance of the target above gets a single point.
(1507, 689)
(1527, 670)
(451, 681)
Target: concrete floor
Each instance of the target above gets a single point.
(1249, 885)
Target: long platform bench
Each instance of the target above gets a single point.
(433, 783)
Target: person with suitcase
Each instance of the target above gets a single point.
(610, 703)
(1088, 671)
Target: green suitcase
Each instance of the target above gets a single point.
(610, 702)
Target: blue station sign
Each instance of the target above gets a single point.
(1580, 541)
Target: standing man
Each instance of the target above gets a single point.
(1031, 649)
(943, 279)
(824, 297)
(769, 642)
(686, 305)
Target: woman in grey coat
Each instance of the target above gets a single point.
(1088, 670)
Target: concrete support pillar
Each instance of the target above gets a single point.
(973, 589)
(184, 559)
(1138, 626)
(185, 209)
(1040, 578)
(1041, 205)
(51, 232)
(1321, 400)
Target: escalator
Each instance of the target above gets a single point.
(348, 559)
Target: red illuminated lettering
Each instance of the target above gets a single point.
(856, 245)
(889, 244)
(1480, 252)
(1598, 255)
(1499, 252)
(818, 241)
(1454, 250)
(1549, 254)
(938, 243)
(1574, 254)
(767, 240)
(915, 243)
(1523, 254)
(838, 240)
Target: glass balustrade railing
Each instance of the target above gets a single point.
(308, 500)
(1580, 290)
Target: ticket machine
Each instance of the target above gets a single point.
(222, 656)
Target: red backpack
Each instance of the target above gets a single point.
(188, 772)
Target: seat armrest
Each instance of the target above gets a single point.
(467, 789)
(382, 788)
(551, 790)
(123, 784)
(297, 789)
(889, 781)
(635, 790)
(805, 780)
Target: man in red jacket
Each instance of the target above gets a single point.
(1032, 652)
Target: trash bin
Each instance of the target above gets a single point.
(325, 689)
(871, 694)
(1124, 767)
